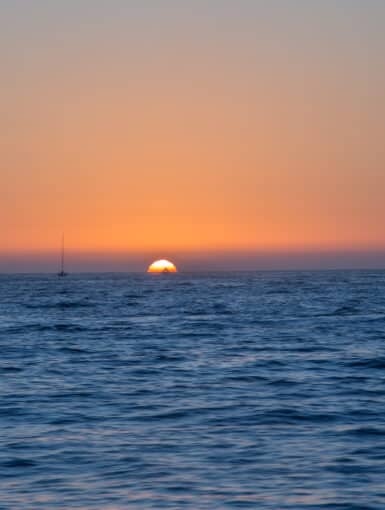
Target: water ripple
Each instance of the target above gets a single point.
(206, 391)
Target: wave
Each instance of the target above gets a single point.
(60, 305)
(371, 363)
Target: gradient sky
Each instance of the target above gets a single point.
(174, 128)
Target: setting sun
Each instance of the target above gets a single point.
(162, 266)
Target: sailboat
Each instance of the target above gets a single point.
(62, 272)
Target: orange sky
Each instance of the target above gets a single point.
(135, 129)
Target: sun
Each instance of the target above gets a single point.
(162, 266)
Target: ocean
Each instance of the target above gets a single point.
(254, 390)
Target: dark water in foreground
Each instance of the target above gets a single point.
(248, 390)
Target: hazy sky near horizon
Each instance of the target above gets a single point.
(192, 125)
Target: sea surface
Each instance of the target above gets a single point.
(261, 390)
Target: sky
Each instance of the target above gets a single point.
(218, 133)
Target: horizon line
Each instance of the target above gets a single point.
(197, 271)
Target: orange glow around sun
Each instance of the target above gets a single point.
(162, 266)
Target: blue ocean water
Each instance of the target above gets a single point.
(199, 391)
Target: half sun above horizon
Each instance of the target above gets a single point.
(162, 266)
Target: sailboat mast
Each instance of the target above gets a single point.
(62, 273)
(62, 254)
